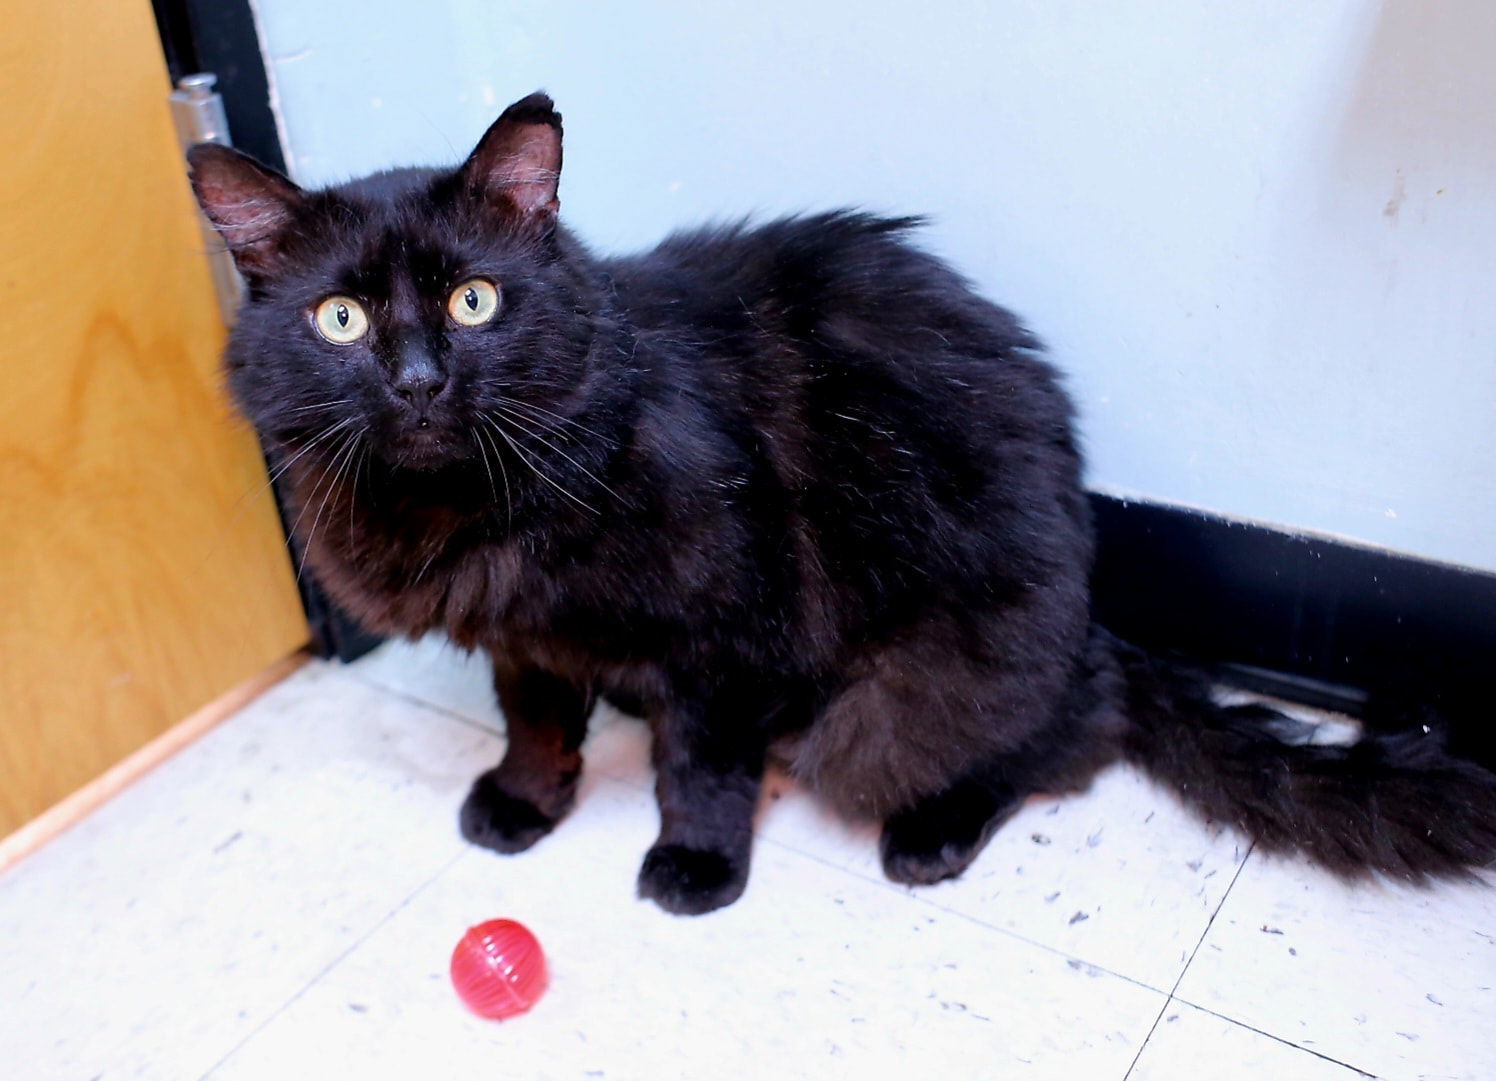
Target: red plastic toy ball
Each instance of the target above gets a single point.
(499, 970)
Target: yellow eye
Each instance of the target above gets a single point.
(474, 303)
(341, 320)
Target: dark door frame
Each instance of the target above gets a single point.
(219, 36)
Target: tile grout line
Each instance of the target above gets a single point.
(1191, 959)
(434, 707)
(465, 721)
(334, 963)
(908, 893)
(1276, 1039)
(495, 728)
(628, 783)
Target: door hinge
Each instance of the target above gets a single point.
(197, 112)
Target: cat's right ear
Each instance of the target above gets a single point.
(250, 206)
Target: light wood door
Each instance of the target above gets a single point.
(142, 569)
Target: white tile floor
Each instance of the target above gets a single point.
(280, 901)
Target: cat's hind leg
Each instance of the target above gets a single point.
(938, 837)
(520, 800)
(944, 745)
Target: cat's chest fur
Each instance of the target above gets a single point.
(419, 571)
(589, 606)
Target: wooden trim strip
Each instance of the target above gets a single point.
(60, 816)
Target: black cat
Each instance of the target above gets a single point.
(791, 487)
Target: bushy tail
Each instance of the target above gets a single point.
(1395, 804)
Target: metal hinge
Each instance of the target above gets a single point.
(197, 112)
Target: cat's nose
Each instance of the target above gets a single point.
(417, 379)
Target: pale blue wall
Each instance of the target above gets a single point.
(1260, 238)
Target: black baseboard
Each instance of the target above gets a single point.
(1383, 636)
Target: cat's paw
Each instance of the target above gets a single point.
(691, 881)
(492, 818)
(917, 852)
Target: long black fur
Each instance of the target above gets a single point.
(1398, 804)
(790, 488)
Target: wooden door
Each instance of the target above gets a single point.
(142, 567)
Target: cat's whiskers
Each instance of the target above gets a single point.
(358, 470)
(343, 458)
(544, 424)
(517, 418)
(349, 438)
(275, 473)
(494, 424)
(333, 430)
(533, 408)
(503, 472)
(316, 487)
(319, 405)
(436, 550)
(244, 502)
(483, 454)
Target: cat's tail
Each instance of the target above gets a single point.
(1395, 804)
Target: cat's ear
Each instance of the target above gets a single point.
(517, 163)
(250, 206)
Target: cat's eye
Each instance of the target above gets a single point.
(474, 303)
(341, 320)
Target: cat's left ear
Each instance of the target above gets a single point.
(517, 163)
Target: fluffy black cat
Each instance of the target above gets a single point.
(789, 488)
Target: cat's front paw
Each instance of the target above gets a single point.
(492, 818)
(691, 881)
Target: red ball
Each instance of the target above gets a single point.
(499, 970)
